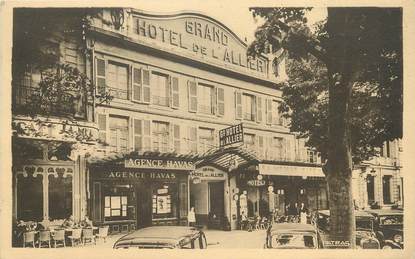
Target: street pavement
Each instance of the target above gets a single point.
(216, 239)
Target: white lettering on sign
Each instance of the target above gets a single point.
(231, 135)
(201, 38)
(159, 164)
(141, 175)
(256, 182)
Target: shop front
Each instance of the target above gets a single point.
(139, 192)
(208, 187)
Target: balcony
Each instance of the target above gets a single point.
(29, 101)
(118, 93)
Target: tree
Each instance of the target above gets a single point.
(345, 89)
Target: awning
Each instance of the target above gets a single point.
(289, 170)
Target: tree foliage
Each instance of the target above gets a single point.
(375, 40)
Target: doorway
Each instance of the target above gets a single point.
(144, 206)
(216, 205)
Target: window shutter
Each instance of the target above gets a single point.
(174, 92)
(138, 135)
(258, 109)
(192, 136)
(270, 153)
(238, 105)
(220, 101)
(137, 85)
(146, 85)
(288, 152)
(269, 111)
(100, 75)
(146, 135)
(176, 138)
(102, 127)
(192, 91)
(260, 141)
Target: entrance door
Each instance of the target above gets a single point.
(216, 199)
(144, 206)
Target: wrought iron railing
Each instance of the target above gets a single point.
(160, 100)
(30, 100)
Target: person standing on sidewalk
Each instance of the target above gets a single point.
(191, 217)
(303, 213)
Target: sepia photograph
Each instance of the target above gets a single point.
(240, 127)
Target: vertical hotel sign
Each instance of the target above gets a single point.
(199, 36)
(231, 135)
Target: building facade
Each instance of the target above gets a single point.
(378, 183)
(179, 79)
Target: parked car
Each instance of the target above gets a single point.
(365, 235)
(292, 235)
(158, 237)
(389, 228)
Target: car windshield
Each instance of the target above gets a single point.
(363, 224)
(391, 220)
(293, 241)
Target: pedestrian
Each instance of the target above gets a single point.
(244, 220)
(69, 222)
(191, 217)
(303, 213)
(86, 222)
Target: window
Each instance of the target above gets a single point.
(275, 113)
(142, 136)
(141, 85)
(249, 141)
(160, 136)
(29, 197)
(102, 127)
(115, 206)
(278, 147)
(248, 107)
(60, 197)
(160, 89)
(206, 94)
(164, 200)
(272, 114)
(118, 134)
(311, 156)
(117, 80)
(206, 139)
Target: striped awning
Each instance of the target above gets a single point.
(290, 170)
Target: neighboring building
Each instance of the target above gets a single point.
(49, 140)
(379, 181)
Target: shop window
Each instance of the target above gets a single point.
(60, 196)
(29, 198)
(118, 134)
(115, 206)
(248, 107)
(206, 97)
(117, 80)
(206, 139)
(160, 136)
(160, 89)
(164, 200)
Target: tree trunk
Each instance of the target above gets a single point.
(342, 69)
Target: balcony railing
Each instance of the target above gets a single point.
(206, 109)
(118, 93)
(29, 100)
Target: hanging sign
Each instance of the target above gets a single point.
(256, 183)
(231, 135)
(159, 164)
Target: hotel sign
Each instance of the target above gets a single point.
(208, 173)
(231, 135)
(159, 164)
(198, 36)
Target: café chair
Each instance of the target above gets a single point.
(44, 237)
(88, 236)
(29, 238)
(103, 233)
(59, 237)
(76, 236)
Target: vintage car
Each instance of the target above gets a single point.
(159, 237)
(365, 235)
(389, 227)
(292, 235)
